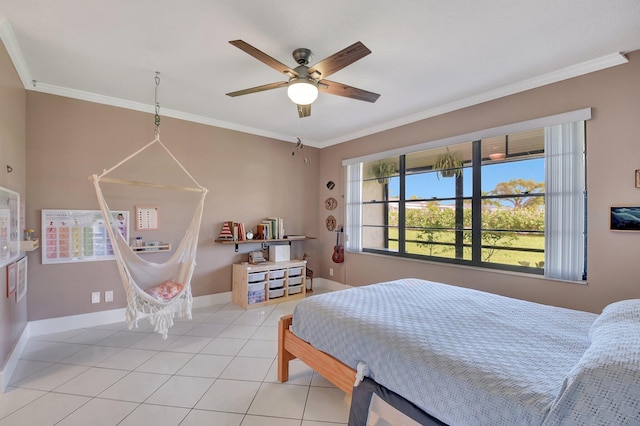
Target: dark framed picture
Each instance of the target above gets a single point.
(625, 219)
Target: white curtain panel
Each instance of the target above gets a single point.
(353, 240)
(565, 201)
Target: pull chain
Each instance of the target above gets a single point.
(157, 116)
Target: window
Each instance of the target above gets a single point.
(514, 201)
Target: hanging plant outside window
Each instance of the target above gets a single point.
(448, 165)
(382, 171)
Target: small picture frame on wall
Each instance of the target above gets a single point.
(12, 270)
(21, 278)
(625, 219)
(147, 218)
(638, 178)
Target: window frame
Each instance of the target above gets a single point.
(354, 225)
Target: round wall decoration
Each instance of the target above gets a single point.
(331, 223)
(330, 203)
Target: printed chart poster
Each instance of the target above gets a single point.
(79, 235)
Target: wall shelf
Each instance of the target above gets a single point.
(30, 245)
(152, 249)
(264, 242)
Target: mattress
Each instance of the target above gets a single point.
(462, 356)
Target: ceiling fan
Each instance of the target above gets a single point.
(305, 81)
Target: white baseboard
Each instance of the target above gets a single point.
(12, 360)
(323, 283)
(58, 325)
(211, 299)
(71, 322)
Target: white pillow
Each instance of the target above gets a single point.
(624, 312)
(604, 386)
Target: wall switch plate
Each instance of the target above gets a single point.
(95, 297)
(330, 272)
(108, 296)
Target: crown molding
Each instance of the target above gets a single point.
(13, 49)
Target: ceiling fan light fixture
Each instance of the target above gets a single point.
(302, 91)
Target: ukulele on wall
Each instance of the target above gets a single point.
(338, 250)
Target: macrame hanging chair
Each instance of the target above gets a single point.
(139, 276)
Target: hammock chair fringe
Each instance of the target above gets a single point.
(160, 317)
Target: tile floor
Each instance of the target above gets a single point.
(217, 369)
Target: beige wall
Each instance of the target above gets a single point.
(249, 178)
(13, 316)
(613, 145)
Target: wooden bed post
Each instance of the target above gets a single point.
(291, 347)
(283, 355)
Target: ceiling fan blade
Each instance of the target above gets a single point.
(263, 57)
(259, 88)
(340, 89)
(304, 110)
(339, 60)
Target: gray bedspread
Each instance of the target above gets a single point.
(463, 356)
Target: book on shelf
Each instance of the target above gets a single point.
(242, 235)
(276, 227)
(262, 231)
(273, 233)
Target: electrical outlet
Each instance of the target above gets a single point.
(95, 297)
(330, 272)
(108, 296)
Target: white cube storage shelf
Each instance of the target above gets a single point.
(270, 282)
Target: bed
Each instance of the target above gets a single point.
(441, 354)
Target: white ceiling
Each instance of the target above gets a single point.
(428, 56)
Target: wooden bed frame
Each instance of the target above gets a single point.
(291, 347)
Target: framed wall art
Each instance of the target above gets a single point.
(21, 278)
(625, 219)
(70, 236)
(11, 278)
(9, 226)
(146, 218)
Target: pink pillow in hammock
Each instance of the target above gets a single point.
(165, 291)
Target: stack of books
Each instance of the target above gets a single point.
(271, 228)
